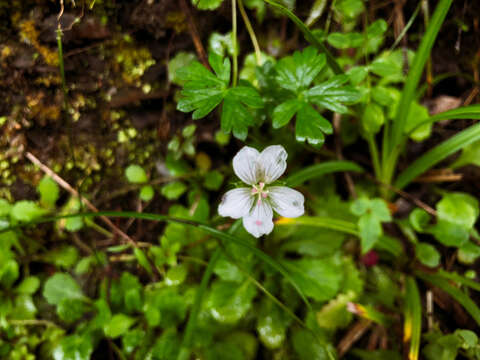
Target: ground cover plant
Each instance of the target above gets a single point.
(239, 179)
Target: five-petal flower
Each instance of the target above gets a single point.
(255, 204)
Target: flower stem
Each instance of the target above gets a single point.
(248, 24)
(234, 42)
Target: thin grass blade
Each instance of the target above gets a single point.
(437, 154)
(318, 170)
(412, 327)
(454, 292)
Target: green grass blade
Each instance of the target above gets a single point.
(184, 353)
(157, 217)
(437, 154)
(454, 292)
(415, 72)
(386, 243)
(308, 35)
(464, 112)
(318, 170)
(322, 222)
(460, 279)
(412, 327)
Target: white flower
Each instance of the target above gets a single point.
(255, 204)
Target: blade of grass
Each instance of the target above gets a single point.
(437, 154)
(157, 217)
(454, 292)
(412, 327)
(309, 36)
(460, 279)
(322, 222)
(386, 243)
(318, 170)
(416, 70)
(184, 353)
(464, 112)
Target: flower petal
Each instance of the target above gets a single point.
(245, 165)
(287, 202)
(259, 221)
(272, 162)
(236, 203)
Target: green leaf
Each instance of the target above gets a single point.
(283, 113)
(74, 347)
(318, 278)
(319, 170)
(164, 307)
(167, 346)
(9, 272)
(427, 254)
(468, 253)
(221, 44)
(70, 310)
(28, 286)
(311, 126)
(335, 315)
(373, 118)
(59, 287)
(136, 175)
(307, 346)
(350, 9)
(345, 41)
(49, 191)
(372, 213)
(419, 219)
(213, 180)
(235, 117)
(173, 190)
(118, 325)
(297, 72)
(176, 275)
(64, 257)
(458, 208)
(25, 210)
(207, 4)
(147, 193)
(417, 115)
(470, 156)
(332, 94)
(228, 302)
(180, 60)
(5, 207)
(272, 325)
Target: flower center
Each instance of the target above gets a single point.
(259, 191)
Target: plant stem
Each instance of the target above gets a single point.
(374, 152)
(258, 54)
(234, 42)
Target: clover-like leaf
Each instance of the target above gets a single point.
(297, 72)
(332, 94)
(204, 91)
(311, 126)
(371, 212)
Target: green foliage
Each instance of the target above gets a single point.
(194, 285)
(295, 74)
(204, 91)
(371, 213)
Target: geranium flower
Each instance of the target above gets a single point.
(255, 204)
